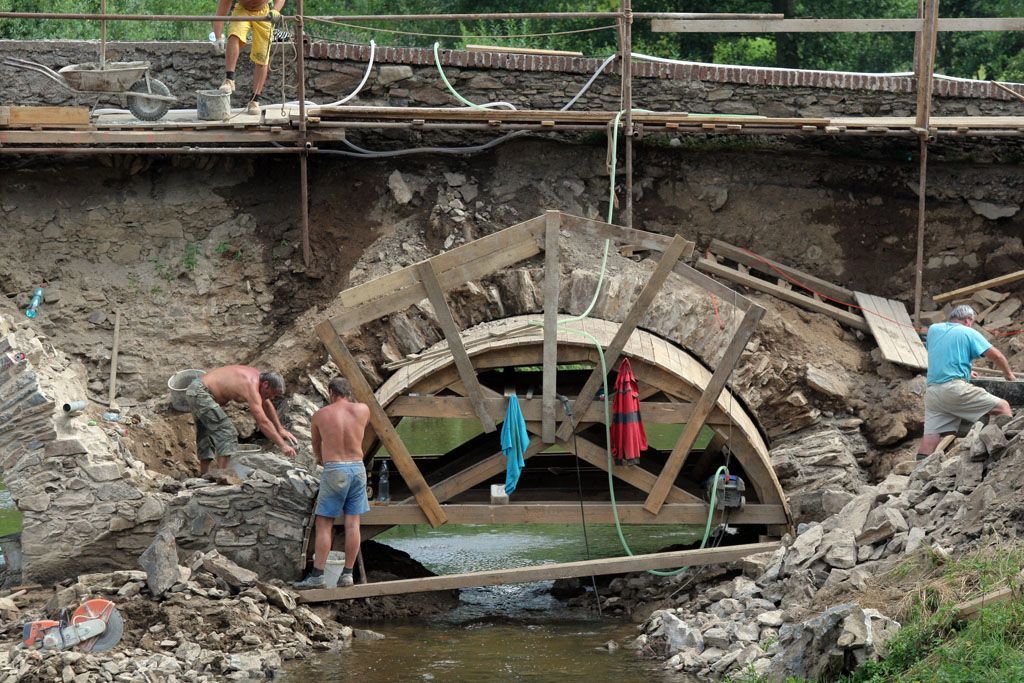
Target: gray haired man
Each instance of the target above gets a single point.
(215, 433)
(950, 396)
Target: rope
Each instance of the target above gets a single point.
(460, 98)
(399, 32)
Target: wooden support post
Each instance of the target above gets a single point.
(702, 409)
(926, 46)
(113, 360)
(451, 333)
(633, 318)
(307, 252)
(553, 222)
(919, 263)
(626, 52)
(481, 471)
(381, 423)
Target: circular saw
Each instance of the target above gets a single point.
(96, 626)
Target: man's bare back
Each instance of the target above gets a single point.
(242, 384)
(338, 431)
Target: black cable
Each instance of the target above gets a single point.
(579, 486)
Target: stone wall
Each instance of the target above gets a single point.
(89, 505)
(408, 77)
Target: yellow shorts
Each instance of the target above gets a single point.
(261, 32)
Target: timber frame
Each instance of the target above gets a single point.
(444, 382)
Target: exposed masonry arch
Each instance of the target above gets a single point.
(658, 363)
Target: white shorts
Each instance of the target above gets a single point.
(947, 403)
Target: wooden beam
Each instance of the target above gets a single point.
(637, 477)
(971, 609)
(926, 61)
(552, 225)
(964, 292)
(569, 513)
(747, 280)
(831, 25)
(636, 313)
(774, 269)
(479, 472)
(922, 181)
(707, 403)
(713, 286)
(381, 423)
(451, 333)
(617, 233)
(654, 412)
(545, 572)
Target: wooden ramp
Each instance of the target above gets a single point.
(893, 330)
(545, 572)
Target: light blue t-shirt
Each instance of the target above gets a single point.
(951, 348)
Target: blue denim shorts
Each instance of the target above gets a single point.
(342, 488)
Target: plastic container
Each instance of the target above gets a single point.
(333, 569)
(37, 298)
(212, 105)
(178, 383)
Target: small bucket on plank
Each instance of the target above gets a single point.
(212, 105)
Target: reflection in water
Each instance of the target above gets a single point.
(501, 633)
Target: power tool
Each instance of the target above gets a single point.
(96, 626)
(729, 495)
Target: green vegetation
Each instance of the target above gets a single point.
(971, 55)
(189, 260)
(10, 518)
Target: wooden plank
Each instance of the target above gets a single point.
(845, 317)
(552, 274)
(713, 286)
(706, 404)
(479, 472)
(460, 407)
(636, 313)
(971, 609)
(637, 477)
(47, 116)
(451, 333)
(773, 268)
(142, 136)
(453, 277)
(1000, 281)
(569, 513)
(381, 423)
(522, 50)
(893, 330)
(545, 572)
(830, 25)
(636, 238)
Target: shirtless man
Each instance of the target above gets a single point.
(214, 430)
(238, 33)
(337, 432)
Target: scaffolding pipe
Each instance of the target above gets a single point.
(626, 43)
(479, 16)
(152, 150)
(300, 74)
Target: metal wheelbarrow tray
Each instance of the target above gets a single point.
(147, 98)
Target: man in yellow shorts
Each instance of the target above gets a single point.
(238, 32)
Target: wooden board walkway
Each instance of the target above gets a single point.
(893, 330)
(544, 572)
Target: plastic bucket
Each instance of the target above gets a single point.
(178, 383)
(333, 569)
(212, 105)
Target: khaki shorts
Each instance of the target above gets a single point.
(215, 432)
(261, 32)
(947, 403)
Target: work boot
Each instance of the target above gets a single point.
(228, 86)
(253, 108)
(345, 581)
(310, 582)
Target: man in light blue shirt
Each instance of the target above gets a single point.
(950, 397)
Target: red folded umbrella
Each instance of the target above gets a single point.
(628, 436)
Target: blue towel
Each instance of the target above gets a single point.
(514, 440)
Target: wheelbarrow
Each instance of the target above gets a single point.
(147, 98)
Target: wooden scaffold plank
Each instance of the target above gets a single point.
(893, 330)
(965, 292)
(545, 572)
(381, 423)
(451, 333)
(708, 401)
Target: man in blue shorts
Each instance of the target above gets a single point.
(337, 432)
(950, 396)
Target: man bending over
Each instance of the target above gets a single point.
(337, 432)
(215, 432)
(950, 396)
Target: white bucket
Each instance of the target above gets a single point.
(332, 570)
(178, 383)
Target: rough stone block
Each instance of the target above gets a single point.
(63, 447)
(231, 573)
(160, 560)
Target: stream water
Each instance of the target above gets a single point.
(501, 633)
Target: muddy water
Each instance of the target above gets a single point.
(501, 633)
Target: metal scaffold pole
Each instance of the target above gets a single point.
(626, 42)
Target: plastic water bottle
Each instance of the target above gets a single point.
(37, 298)
(383, 489)
(213, 37)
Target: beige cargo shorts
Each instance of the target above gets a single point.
(947, 403)
(215, 432)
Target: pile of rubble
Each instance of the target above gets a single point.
(768, 620)
(208, 619)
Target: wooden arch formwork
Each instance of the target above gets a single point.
(467, 376)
